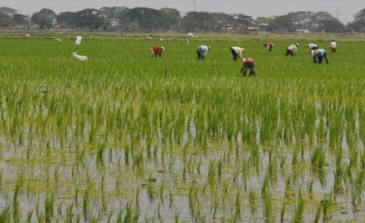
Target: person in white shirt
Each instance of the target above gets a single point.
(312, 46)
(236, 52)
(202, 51)
(333, 46)
(292, 49)
(319, 55)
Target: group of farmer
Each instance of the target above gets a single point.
(248, 63)
(319, 54)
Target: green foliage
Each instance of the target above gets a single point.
(5, 20)
(67, 19)
(92, 19)
(148, 19)
(317, 22)
(44, 18)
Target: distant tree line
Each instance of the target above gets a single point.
(143, 19)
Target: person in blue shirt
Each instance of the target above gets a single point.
(318, 56)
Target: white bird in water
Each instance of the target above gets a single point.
(80, 57)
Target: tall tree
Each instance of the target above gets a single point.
(170, 18)
(7, 10)
(318, 22)
(44, 18)
(221, 22)
(124, 20)
(5, 20)
(92, 19)
(360, 15)
(6, 15)
(325, 22)
(263, 20)
(197, 22)
(67, 19)
(145, 19)
(20, 20)
(242, 22)
(358, 25)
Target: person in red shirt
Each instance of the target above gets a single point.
(248, 63)
(156, 51)
(268, 45)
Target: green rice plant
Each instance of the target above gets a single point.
(119, 216)
(268, 208)
(318, 162)
(100, 154)
(252, 200)
(299, 211)
(339, 173)
(86, 205)
(357, 189)
(326, 204)
(193, 200)
(288, 187)
(103, 196)
(282, 212)
(319, 211)
(1, 180)
(49, 206)
(151, 190)
(310, 189)
(16, 214)
(237, 208)
(212, 174)
(219, 169)
(176, 218)
(69, 213)
(131, 215)
(5, 215)
(266, 186)
(29, 215)
(318, 159)
(272, 167)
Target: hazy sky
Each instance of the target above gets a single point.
(341, 9)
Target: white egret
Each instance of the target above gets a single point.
(80, 57)
(60, 40)
(27, 34)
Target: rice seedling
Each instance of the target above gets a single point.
(49, 207)
(5, 215)
(299, 211)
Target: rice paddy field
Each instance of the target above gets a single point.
(124, 137)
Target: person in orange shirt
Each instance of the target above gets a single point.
(156, 51)
(248, 63)
(268, 45)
